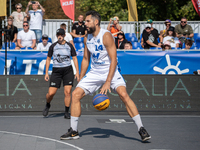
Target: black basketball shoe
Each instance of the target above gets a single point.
(70, 135)
(144, 134)
(67, 115)
(46, 110)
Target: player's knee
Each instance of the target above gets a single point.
(124, 96)
(67, 93)
(51, 94)
(76, 95)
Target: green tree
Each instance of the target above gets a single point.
(155, 9)
(166, 9)
(106, 8)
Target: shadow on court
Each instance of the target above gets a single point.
(55, 115)
(106, 133)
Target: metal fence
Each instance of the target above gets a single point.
(50, 26)
(127, 26)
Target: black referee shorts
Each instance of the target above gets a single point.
(58, 74)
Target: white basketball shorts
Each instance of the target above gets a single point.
(92, 81)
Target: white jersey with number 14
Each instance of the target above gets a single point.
(100, 61)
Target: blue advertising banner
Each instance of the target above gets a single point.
(130, 62)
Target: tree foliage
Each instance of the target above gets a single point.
(154, 9)
(106, 8)
(166, 9)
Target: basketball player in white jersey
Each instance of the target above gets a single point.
(100, 47)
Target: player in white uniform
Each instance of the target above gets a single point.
(100, 46)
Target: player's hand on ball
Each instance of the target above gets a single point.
(46, 77)
(105, 88)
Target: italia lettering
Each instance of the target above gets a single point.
(180, 82)
(179, 86)
(15, 106)
(139, 82)
(21, 86)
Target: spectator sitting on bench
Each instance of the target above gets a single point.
(184, 31)
(120, 40)
(128, 45)
(44, 45)
(79, 28)
(12, 31)
(26, 38)
(171, 37)
(150, 36)
(163, 33)
(188, 44)
(166, 46)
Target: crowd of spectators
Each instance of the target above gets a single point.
(168, 38)
(25, 30)
(171, 37)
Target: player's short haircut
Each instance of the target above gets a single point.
(63, 25)
(95, 15)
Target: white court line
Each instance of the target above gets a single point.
(22, 116)
(160, 149)
(119, 116)
(42, 138)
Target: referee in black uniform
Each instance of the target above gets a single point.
(62, 71)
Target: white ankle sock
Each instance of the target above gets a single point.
(74, 123)
(138, 121)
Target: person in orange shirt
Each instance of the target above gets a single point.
(115, 27)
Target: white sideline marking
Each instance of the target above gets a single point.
(160, 149)
(122, 116)
(42, 138)
(117, 121)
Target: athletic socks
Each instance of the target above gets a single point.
(66, 109)
(138, 121)
(48, 105)
(74, 123)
